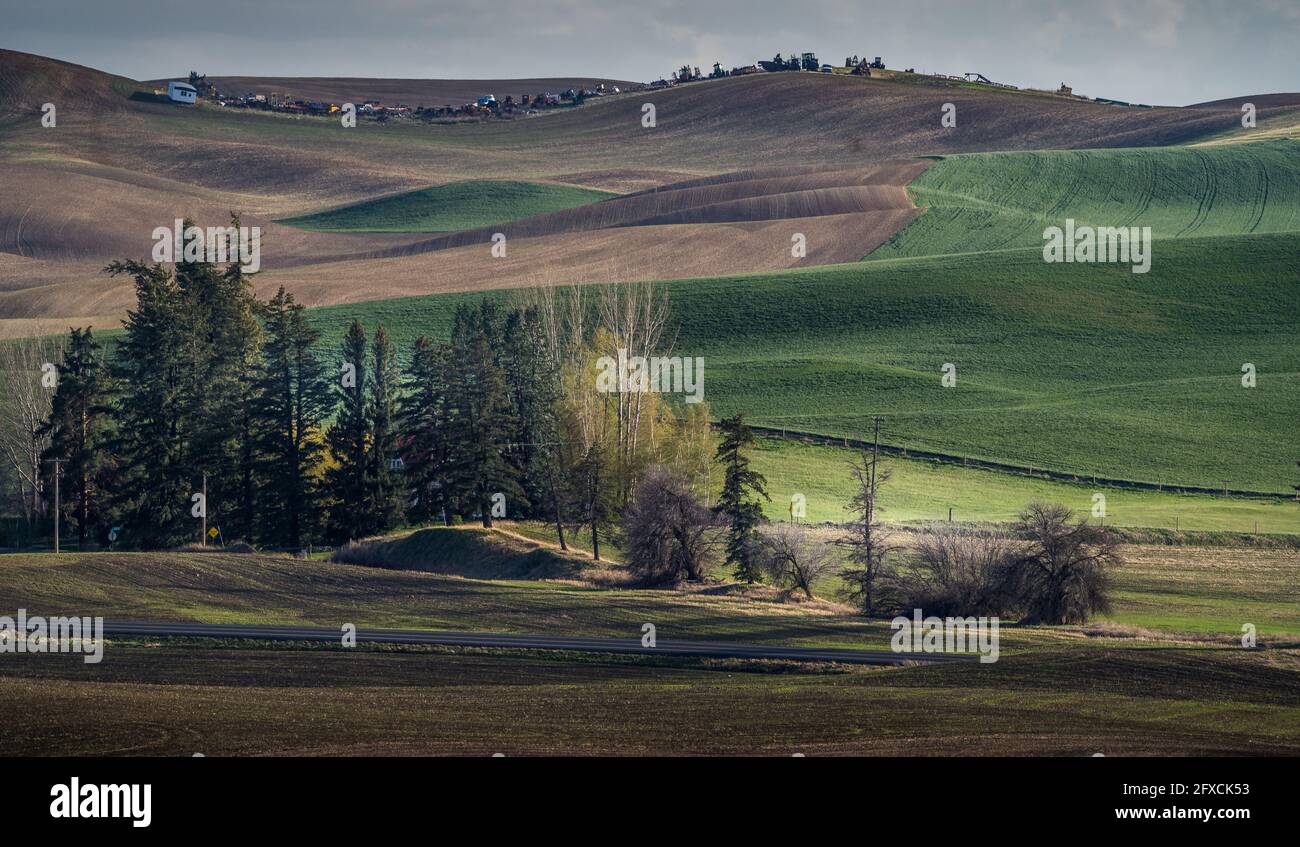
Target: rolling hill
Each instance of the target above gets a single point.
(1074, 368)
(1002, 201)
(1077, 369)
(469, 551)
(443, 208)
(134, 164)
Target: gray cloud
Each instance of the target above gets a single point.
(1158, 51)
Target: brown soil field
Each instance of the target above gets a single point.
(622, 180)
(85, 211)
(83, 296)
(178, 699)
(607, 255)
(28, 81)
(876, 188)
(762, 121)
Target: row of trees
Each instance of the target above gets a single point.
(209, 390)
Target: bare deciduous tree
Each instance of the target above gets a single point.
(961, 572)
(633, 315)
(792, 557)
(869, 544)
(24, 406)
(670, 534)
(1064, 575)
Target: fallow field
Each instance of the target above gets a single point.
(1165, 677)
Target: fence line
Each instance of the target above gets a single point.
(1019, 470)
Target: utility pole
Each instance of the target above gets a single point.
(57, 509)
(203, 534)
(875, 451)
(875, 459)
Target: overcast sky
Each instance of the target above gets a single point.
(1153, 51)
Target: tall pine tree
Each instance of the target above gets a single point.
(222, 339)
(77, 430)
(292, 399)
(738, 502)
(385, 489)
(348, 439)
(424, 414)
(533, 374)
(482, 424)
(151, 373)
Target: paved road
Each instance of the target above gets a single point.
(711, 649)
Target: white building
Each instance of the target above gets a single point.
(182, 92)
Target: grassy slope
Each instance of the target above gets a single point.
(921, 490)
(466, 551)
(1203, 591)
(444, 208)
(1175, 589)
(235, 588)
(1002, 201)
(1079, 368)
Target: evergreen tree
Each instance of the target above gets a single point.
(222, 338)
(347, 441)
(185, 373)
(738, 502)
(533, 386)
(292, 399)
(385, 493)
(481, 424)
(423, 413)
(77, 429)
(151, 372)
(533, 372)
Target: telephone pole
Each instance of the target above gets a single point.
(57, 509)
(875, 459)
(875, 450)
(203, 533)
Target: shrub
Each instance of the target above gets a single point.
(792, 558)
(1064, 574)
(669, 533)
(960, 572)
